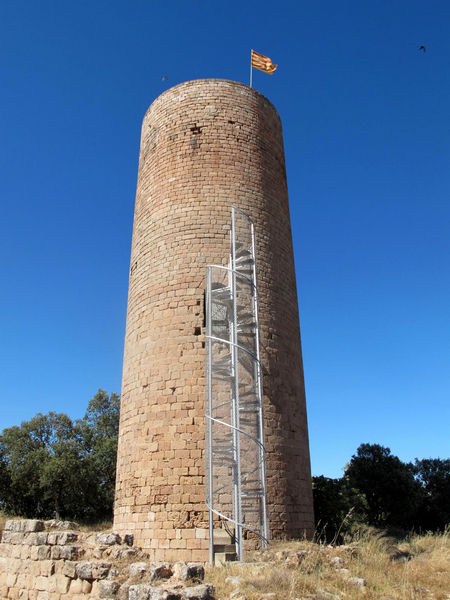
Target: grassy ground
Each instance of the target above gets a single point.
(373, 567)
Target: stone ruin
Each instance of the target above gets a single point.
(54, 560)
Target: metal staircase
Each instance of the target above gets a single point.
(236, 481)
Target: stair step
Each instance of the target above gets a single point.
(224, 548)
(223, 557)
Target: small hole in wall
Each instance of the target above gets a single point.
(231, 122)
(203, 344)
(196, 130)
(198, 331)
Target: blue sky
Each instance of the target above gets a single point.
(367, 140)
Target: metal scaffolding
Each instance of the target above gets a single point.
(235, 452)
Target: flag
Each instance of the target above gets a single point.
(263, 63)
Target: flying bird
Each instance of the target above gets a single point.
(423, 48)
(164, 78)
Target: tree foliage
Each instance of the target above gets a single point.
(392, 493)
(379, 489)
(434, 476)
(53, 466)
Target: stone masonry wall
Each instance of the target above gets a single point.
(54, 561)
(206, 145)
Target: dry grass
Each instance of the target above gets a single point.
(103, 526)
(416, 569)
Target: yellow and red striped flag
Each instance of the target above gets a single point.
(263, 63)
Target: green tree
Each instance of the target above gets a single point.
(337, 507)
(100, 428)
(51, 465)
(392, 493)
(434, 476)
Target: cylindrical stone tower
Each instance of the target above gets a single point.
(206, 145)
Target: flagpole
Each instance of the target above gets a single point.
(251, 71)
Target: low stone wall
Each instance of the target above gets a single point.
(53, 560)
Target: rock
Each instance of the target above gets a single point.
(66, 537)
(138, 569)
(43, 552)
(160, 571)
(61, 525)
(24, 525)
(41, 539)
(359, 581)
(100, 570)
(84, 570)
(185, 571)
(122, 594)
(107, 539)
(336, 561)
(69, 569)
(106, 588)
(199, 592)
(70, 552)
(89, 570)
(234, 580)
(113, 572)
(160, 593)
(139, 592)
(401, 557)
(128, 539)
(237, 594)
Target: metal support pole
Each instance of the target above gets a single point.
(235, 403)
(210, 422)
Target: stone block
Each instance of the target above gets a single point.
(138, 569)
(140, 592)
(75, 587)
(69, 552)
(92, 570)
(69, 569)
(186, 571)
(100, 570)
(107, 539)
(61, 525)
(204, 591)
(47, 568)
(66, 537)
(107, 588)
(83, 571)
(41, 583)
(11, 579)
(12, 537)
(160, 570)
(122, 594)
(24, 525)
(43, 552)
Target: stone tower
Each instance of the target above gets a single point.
(206, 145)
